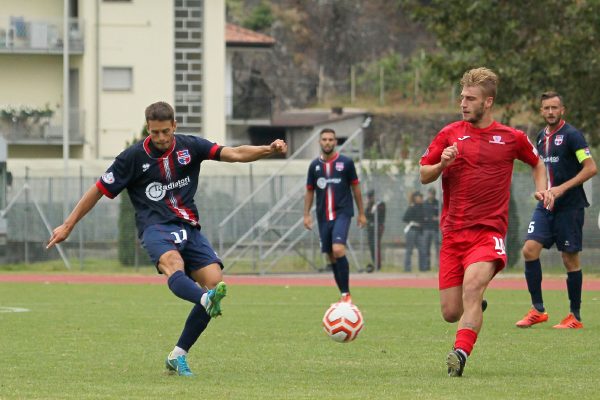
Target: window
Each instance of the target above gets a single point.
(117, 78)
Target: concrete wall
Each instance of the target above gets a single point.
(139, 35)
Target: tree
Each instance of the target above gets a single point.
(533, 45)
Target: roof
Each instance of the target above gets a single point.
(236, 36)
(314, 117)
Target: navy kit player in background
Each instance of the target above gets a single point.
(160, 174)
(333, 177)
(569, 164)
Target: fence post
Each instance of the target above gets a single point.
(27, 218)
(381, 86)
(352, 84)
(81, 225)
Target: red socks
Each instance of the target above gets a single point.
(465, 340)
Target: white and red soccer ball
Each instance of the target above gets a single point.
(343, 321)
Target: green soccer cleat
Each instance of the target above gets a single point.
(212, 300)
(178, 365)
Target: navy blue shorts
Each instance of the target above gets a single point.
(565, 228)
(194, 248)
(335, 231)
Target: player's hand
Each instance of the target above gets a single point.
(279, 146)
(449, 155)
(58, 235)
(308, 222)
(361, 221)
(547, 199)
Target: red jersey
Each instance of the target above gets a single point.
(476, 186)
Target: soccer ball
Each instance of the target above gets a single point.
(342, 322)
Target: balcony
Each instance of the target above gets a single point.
(244, 110)
(41, 127)
(21, 35)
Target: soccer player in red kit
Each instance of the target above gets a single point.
(475, 159)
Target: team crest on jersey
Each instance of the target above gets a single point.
(109, 178)
(183, 157)
(318, 168)
(497, 139)
(558, 140)
(339, 166)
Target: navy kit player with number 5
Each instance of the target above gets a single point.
(569, 164)
(160, 174)
(333, 177)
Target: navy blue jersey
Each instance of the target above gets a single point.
(331, 180)
(161, 185)
(563, 150)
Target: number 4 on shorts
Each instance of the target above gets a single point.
(499, 247)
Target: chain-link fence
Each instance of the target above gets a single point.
(97, 236)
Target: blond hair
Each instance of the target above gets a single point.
(483, 77)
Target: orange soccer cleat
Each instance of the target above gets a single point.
(570, 322)
(346, 298)
(531, 318)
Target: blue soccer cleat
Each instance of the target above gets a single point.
(212, 299)
(178, 365)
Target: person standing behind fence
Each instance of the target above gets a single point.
(414, 216)
(333, 177)
(375, 213)
(431, 227)
(569, 164)
(160, 174)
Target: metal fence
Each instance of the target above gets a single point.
(96, 237)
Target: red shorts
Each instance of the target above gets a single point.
(464, 247)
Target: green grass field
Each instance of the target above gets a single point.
(109, 342)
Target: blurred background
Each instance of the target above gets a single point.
(77, 75)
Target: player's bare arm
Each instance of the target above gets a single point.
(540, 180)
(249, 153)
(87, 202)
(308, 201)
(430, 173)
(589, 170)
(361, 221)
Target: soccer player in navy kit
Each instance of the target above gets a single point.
(333, 177)
(569, 164)
(160, 174)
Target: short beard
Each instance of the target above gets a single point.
(478, 114)
(327, 152)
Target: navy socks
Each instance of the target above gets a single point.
(341, 273)
(194, 326)
(574, 285)
(184, 287)
(533, 275)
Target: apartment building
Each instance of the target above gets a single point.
(122, 56)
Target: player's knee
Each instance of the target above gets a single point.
(339, 252)
(451, 313)
(530, 252)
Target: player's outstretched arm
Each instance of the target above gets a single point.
(308, 201)
(248, 153)
(87, 202)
